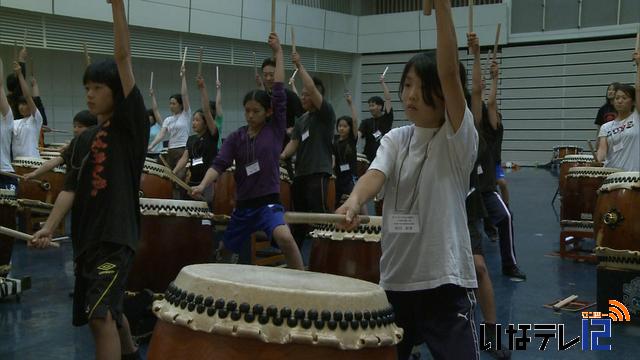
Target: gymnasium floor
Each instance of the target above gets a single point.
(39, 326)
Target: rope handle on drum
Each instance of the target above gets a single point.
(291, 217)
(22, 236)
(43, 183)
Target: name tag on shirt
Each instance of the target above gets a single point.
(197, 161)
(252, 168)
(480, 170)
(344, 167)
(618, 147)
(305, 135)
(404, 224)
(377, 135)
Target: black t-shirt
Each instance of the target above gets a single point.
(370, 128)
(345, 153)
(488, 141)
(294, 108)
(497, 149)
(201, 147)
(606, 113)
(106, 207)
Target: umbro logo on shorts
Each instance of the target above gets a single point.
(106, 268)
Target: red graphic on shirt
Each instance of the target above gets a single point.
(609, 116)
(98, 147)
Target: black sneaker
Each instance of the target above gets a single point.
(514, 273)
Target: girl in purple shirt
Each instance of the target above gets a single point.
(255, 148)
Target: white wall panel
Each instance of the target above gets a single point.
(166, 15)
(215, 24)
(45, 6)
(230, 7)
(90, 10)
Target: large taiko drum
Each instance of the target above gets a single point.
(569, 162)
(617, 214)
(581, 192)
(363, 164)
(560, 151)
(354, 253)
(35, 191)
(618, 259)
(155, 181)
(223, 311)
(173, 234)
(224, 199)
(8, 207)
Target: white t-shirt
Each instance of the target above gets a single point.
(179, 128)
(623, 142)
(441, 252)
(26, 133)
(6, 132)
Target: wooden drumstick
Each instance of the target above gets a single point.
(427, 5)
(292, 217)
(593, 152)
(200, 61)
(638, 39)
(273, 16)
(384, 72)
(470, 16)
(495, 45)
(151, 82)
(557, 306)
(184, 59)
(15, 50)
(24, 39)
(293, 77)
(87, 58)
(22, 236)
(43, 184)
(31, 67)
(255, 64)
(173, 176)
(293, 40)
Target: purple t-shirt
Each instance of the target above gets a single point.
(264, 148)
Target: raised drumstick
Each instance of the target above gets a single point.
(470, 16)
(384, 72)
(200, 61)
(173, 176)
(293, 40)
(151, 81)
(495, 45)
(184, 58)
(638, 39)
(427, 5)
(273, 16)
(87, 58)
(22, 236)
(293, 77)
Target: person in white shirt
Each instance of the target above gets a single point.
(426, 266)
(177, 126)
(619, 145)
(6, 132)
(26, 129)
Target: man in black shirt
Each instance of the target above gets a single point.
(294, 106)
(374, 128)
(103, 192)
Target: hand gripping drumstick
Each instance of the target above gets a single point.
(43, 184)
(593, 152)
(22, 236)
(173, 176)
(292, 217)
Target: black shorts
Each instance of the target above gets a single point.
(101, 276)
(477, 234)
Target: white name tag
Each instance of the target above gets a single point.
(377, 135)
(344, 167)
(206, 222)
(252, 168)
(480, 170)
(305, 135)
(618, 147)
(197, 161)
(404, 224)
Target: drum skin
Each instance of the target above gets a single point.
(581, 195)
(7, 219)
(626, 234)
(176, 342)
(363, 165)
(167, 244)
(352, 258)
(154, 186)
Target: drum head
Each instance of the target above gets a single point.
(282, 306)
(621, 180)
(588, 171)
(180, 208)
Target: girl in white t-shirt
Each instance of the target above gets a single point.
(619, 145)
(426, 265)
(26, 129)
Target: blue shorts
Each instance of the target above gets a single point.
(245, 222)
(499, 172)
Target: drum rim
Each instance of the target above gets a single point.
(179, 208)
(34, 163)
(590, 170)
(557, 147)
(621, 180)
(621, 259)
(321, 230)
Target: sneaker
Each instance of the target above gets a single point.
(514, 273)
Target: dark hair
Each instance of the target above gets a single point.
(212, 106)
(629, 90)
(319, 85)
(268, 62)
(178, 98)
(85, 118)
(376, 100)
(105, 72)
(425, 67)
(13, 85)
(261, 96)
(349, 122)
(21, 100)
(615, 85)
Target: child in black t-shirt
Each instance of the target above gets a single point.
(345, 153)
(103, 192)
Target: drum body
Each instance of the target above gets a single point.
(331, 193)
(222, 311)
(569, 162)
(354, 254)
(559, 152)
(35, 191)
(581, 192)
(155, 182)
(617, 214)
(363, 165)
(8, 207)
(173, 234)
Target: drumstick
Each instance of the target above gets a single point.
(24, 39)
(44, 184)
(593, 152)
(184, 58)
(427, 5)
(293, 40)
(293, 77)
(200, 61)
(255, 64)
(15, 50)
(22, 236)
(273, 16)
(173, 176)
(31, 67)
(59, 131)
(217, 74)
(638, 39)
(557, 306)
(495, 45)
(151, 81)
(87, 58)
(344, 80)
(292, 217)
(384, 72)
(470, 16)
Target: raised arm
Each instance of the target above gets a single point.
(206, 108)
(26, 92)
(278, 55)
(365, 189)
(386, 94)
(121, 47)
(354, 114)
(307, 81)
(476, 78)
(161, 135)
(4, 103)
(447, 59)
(182, 162)
(290, 149)
(218, 99)
(154, 107)
(492, 102)
(184, 91)
(292, 83)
